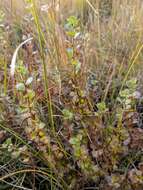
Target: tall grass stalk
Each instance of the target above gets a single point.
(131, 66)
(5, 76)
(46, 84)
(42, 43)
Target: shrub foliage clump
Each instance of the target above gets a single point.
(71, 103)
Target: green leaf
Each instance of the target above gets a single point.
(20, 87)
(71, 26)
(7, 143)
(30, 94)
(125, 93)
(76, 140)
(71, 33)
(70, 53)
(132, 84)
(77, 65)
(73, 21)
(21, 68)
(67, 114)
(102, 107)
(78, 151)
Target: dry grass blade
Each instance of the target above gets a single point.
(92, 7)
(13, 61)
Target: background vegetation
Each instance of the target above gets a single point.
(71, 103)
